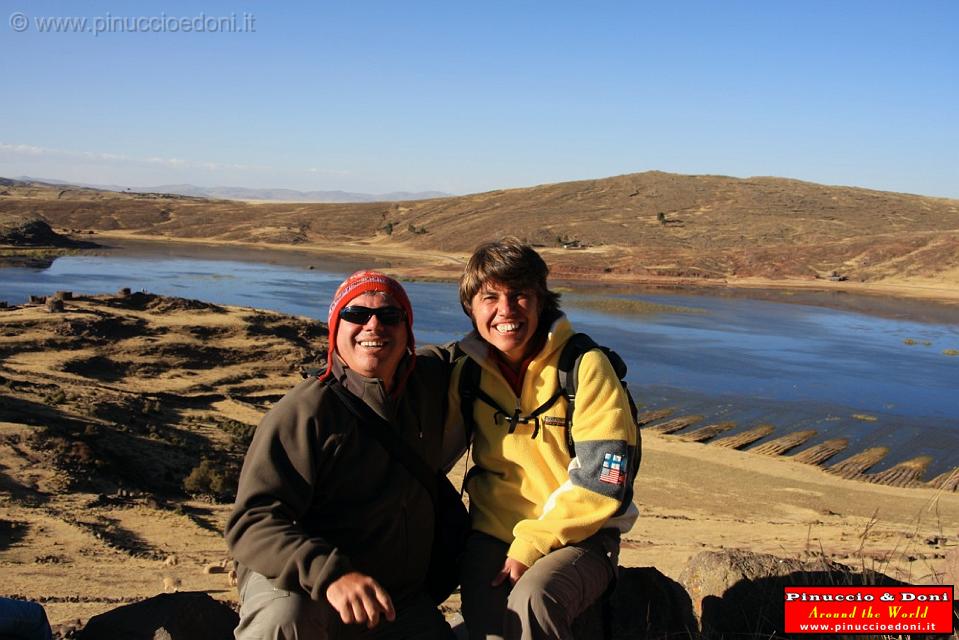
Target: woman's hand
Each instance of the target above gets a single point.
(512, 570)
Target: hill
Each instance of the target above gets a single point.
(645, 226)
(122, 420)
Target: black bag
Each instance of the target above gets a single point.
(451, 520)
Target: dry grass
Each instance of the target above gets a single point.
(719, 229)
(105, 410)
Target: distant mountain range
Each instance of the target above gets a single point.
(244, 193)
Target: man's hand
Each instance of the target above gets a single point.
(359, 599)
(512, 570)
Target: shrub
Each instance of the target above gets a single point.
(240, 432)
(212, 479)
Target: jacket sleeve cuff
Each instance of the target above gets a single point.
(337, 567)
(524, 552)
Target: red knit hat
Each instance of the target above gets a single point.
(356, 285)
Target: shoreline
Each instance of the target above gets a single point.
(879, 299)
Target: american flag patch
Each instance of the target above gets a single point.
(612, 472)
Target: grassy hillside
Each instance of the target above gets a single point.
(639, 225)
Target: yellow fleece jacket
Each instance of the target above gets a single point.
(526, 490)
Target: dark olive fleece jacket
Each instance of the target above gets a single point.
(319, 496)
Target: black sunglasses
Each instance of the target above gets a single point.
(361, 315)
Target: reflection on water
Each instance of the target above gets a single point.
(797, 366)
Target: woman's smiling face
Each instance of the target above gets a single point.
(506, 318)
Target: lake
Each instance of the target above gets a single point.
(875, 380)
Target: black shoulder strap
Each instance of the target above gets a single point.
(569, 359)
(468, 387)
(386, 435)
(568, 374)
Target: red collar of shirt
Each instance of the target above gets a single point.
(515, 377)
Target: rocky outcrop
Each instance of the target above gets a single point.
(737, 593)
(35, 232)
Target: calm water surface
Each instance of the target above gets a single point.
(792, 365)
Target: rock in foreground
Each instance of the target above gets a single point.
(737, 593)
(172, 616)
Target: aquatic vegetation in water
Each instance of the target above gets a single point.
(951, 352)
(912, 341)
(212, 276)
(624, 306)
(865, 417)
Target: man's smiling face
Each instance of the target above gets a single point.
(372, 349)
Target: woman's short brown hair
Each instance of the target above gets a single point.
(511, 263)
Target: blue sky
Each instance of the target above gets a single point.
(382, 96)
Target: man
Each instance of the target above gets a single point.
(332, 535)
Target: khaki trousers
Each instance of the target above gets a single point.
(268, 613)
(546, 600)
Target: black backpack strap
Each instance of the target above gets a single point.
(568, 374)
(468, 387)
(386, 435)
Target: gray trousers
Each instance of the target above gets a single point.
(268, 613)
(546, 599)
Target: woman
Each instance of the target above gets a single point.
(546, 524)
